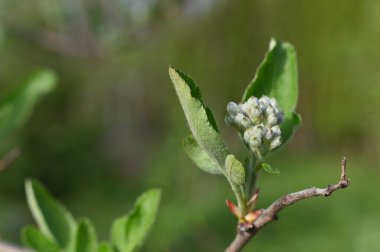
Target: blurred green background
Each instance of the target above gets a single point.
(113, 127)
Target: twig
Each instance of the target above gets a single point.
(9, 158)
(269, 214)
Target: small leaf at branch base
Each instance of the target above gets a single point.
(253, 200)
(233, 208)
(270, 169)
(85, 240)
(128, 232)
(51, 216)
(200, 157)
(252, 216)
(235, 170)
(34, 239)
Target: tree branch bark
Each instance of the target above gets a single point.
(245, 233)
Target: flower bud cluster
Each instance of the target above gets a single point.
(258, 121)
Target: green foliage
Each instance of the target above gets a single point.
(58, 231)
(128, 232)
(269, 168)
(51, 216)
(36, 240)
(200, 157)
(16, 108)
(199, 117)
(85, 238)
(277, 77)
(275, 82)
(105, 247)
(235, 170)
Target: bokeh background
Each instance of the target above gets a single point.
(113, 126)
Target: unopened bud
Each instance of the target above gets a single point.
(232, 108)
(276, 142)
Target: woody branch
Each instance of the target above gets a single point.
(269, 214)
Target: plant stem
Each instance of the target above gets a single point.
(241, 199)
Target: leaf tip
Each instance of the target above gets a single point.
(172, 71)
(272, 43)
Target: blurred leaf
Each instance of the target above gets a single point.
(51, 216)
(85, 240)
(235, 170)
(199, 117)
(16, 108)
(128, 232)
(269, 168)
(200, 157)
(104, 247)
(34, 239)
(277, 77)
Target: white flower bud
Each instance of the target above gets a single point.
(260, 130)
(253, 101)
(255, 142)
(276, 142)
(254, 113)
(244, 108)
(272, 120)
(242, 121)
(273, 102)
(276, 131)
(269, 134)
(232, 108)
(264, 102)
(229, 120)
(270, 111)
(258, 120)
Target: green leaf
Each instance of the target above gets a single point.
(277, 77)
(104, 247)
(128, 232)
(199, 117)
(235, 170)
(289, 126)
(51, 216)
(269, 168)
(16, 108)
(85, 240)
(199, 156)
(34, 239)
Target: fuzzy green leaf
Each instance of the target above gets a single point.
(199, 117)
(235, 170)
(199, 156)
(128, 232)
(34, 239)
(105, 247)
(85, 239)
(16, 108)
(277, 77)
(51, 216)
(269, 168)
